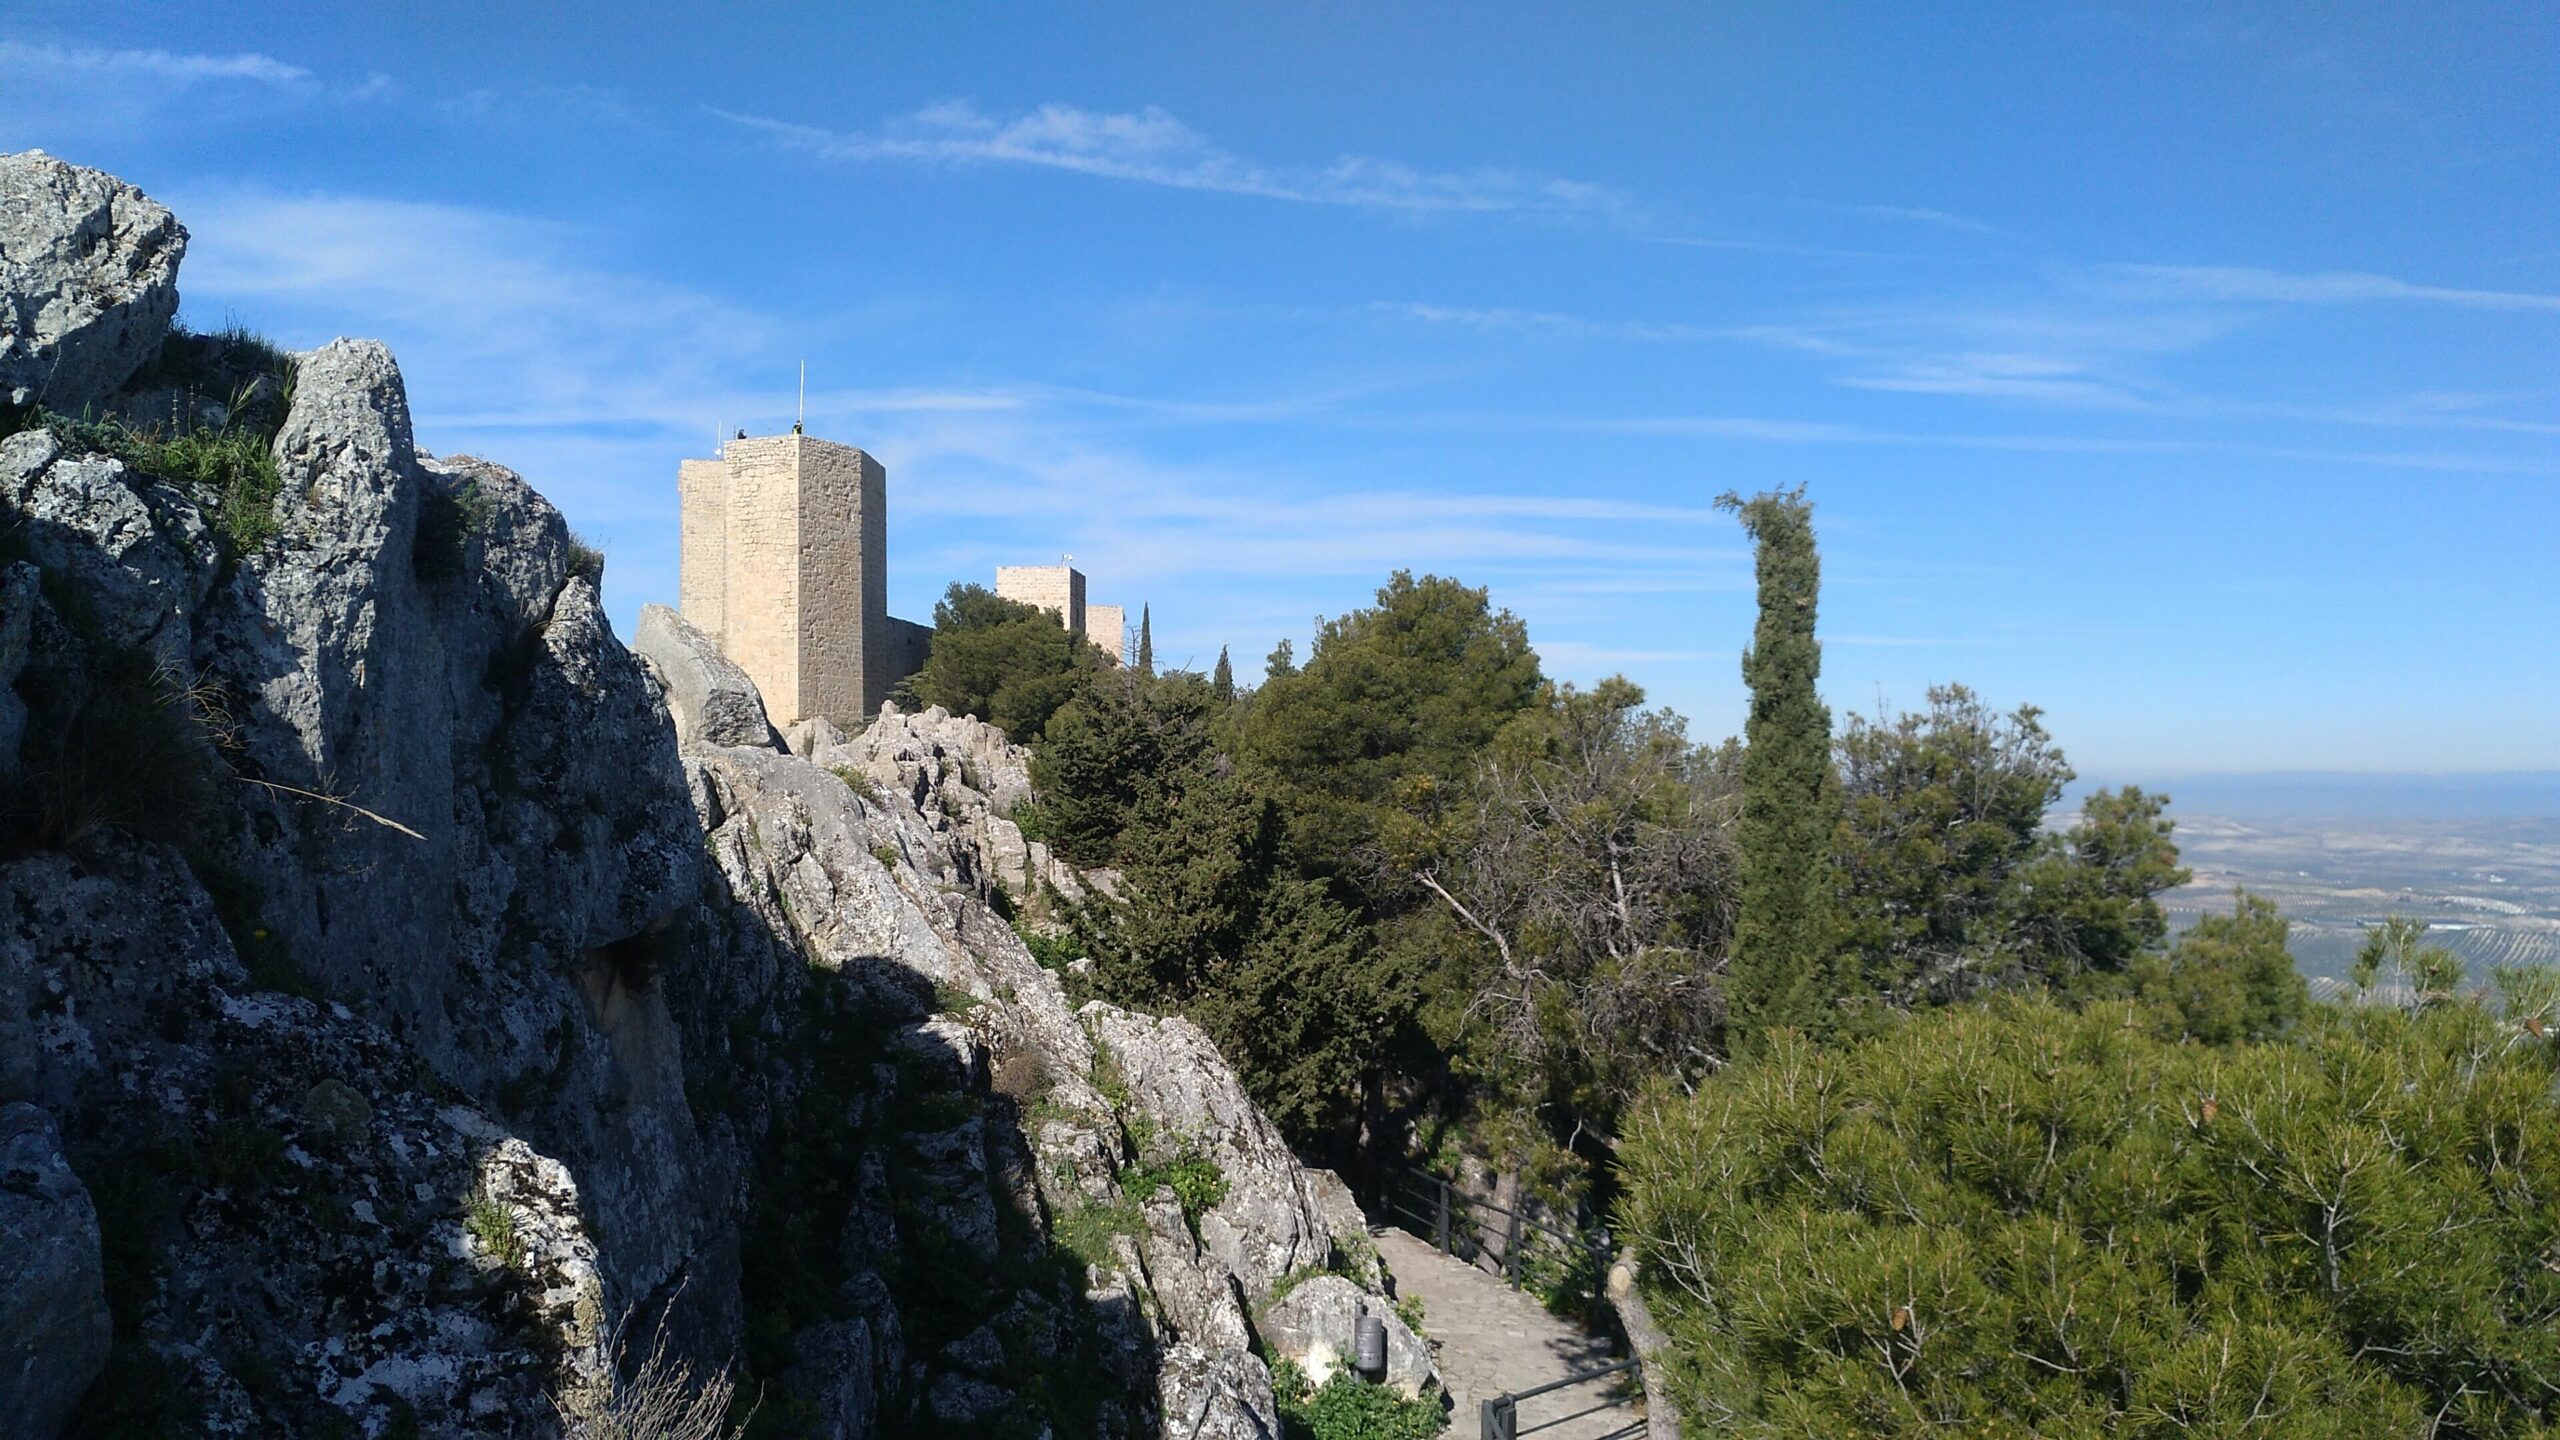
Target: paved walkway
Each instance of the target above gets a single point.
(1489, 1339)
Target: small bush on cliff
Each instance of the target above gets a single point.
(586, 560)
(1194, 1178)
(2019, 1220)
(448, 518)
(231, 471)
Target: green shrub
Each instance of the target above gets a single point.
(452, 514)
(1194, 1178)
(231, 472)
(1348, 1408)
(585, 560)
(1087, 1230)
(859, 783)
(1055, 950)
(2024, 1220)
(492, 1222)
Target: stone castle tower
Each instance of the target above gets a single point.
(784, 563)
(1059, 589)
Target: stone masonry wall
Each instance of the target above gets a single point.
(702, 561)
(840, 561)
(1058, 589)
(1104, 625)
(761, 627)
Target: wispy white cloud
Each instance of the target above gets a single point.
(165, 65)
(2334, 287)
(1153, 147)
(1922, 215)
(1502, 318)
(2087, 358)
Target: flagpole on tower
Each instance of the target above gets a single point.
(801, 424)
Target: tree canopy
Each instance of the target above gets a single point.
(1010, 664)
(2020, 1219)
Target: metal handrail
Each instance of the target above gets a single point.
(1450, 1217)
(1516, 1396)
(1499, 1417)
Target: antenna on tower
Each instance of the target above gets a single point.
(799, 425)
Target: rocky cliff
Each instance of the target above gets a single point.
(401, 981)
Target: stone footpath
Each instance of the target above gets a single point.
(1489, 1339)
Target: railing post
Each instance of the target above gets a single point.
(1603, 1254)
(1511, 1251)
(1440, 1226)
(1499, 1419)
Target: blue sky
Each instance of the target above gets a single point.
(2194, 377)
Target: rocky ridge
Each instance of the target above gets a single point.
(419, 979)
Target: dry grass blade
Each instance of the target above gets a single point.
(662, 1398)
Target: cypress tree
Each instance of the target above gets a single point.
(1783, 972)
(1222, 681)
(1146, 643)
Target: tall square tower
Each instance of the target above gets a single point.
(784, 562)
(1058, 589)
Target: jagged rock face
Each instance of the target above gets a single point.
(476, 698)
(872, 858)
(511, 1016)
(88, 281)
(287, 1194)
(1270, 1223)
(931, 756)
(135, 548)
(54, 1329)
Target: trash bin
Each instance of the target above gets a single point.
(1369, 1348)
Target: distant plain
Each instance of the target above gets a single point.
(2487, 886)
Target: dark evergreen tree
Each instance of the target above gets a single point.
(1146, 642)
(1010, 664)
(1222, 681)
(1784, 971)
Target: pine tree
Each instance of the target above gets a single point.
(1783, 972)
(1146, 643)
(1222, 681)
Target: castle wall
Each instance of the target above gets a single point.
(702, 557)
(909, 646)
(1105, 625)
(1058, 589)
(843, 597)
(762, 633)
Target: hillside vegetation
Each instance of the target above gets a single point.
(1432, 901)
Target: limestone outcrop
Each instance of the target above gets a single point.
(712, 700)
(88, 281)
(54, 1327)
(421, 981)
(1316, 1326)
